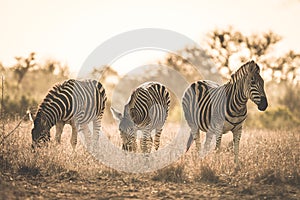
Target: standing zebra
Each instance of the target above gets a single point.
(72, 102)
(146, 110)
(218, 109)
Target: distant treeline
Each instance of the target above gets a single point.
(27, 82)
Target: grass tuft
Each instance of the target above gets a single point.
(174, 173)
(271, 177)
(207, 174)
(29, 171)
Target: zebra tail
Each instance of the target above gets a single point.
(189, 143)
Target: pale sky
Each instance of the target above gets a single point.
(70, 30)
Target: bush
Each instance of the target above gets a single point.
(274, 118)
(207, 174)
(291, 99)
(174, 173)
(17, 107)
(279, 117)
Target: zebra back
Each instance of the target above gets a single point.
(72, 99)
(144, 98)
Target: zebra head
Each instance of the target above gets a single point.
(127, 130)
(255, 87)
(40, 133)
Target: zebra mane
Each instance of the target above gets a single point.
(245, 70)
(53, 91)
(45, 101)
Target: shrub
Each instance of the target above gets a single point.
(174, 173)
(279, 117)
(207, 174)
(18, 106)
(274, 118)
(291, 99)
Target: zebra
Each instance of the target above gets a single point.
(217, 109)
(147, 109)
(72, 102)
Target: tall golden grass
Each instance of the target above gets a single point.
(268, 157)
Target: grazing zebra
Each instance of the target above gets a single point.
(217, 109)
(146, 110)
(72, 102)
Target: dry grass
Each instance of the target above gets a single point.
(271, 157)
(173, 173)
(267, 158)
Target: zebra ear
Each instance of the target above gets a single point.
(30, 115)
(253, 67)
(116, 114)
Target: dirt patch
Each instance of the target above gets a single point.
(269, 170)
(70, 185)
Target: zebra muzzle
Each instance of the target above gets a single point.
(263, 104)
(127, 147)
(34, 146)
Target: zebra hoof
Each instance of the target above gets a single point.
(237, 167)
(203, 153)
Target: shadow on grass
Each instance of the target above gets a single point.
(206, 174)
(273, 177)
(174, 173)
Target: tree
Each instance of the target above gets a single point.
(228, 46)
(107, 76)
(55, 67)
(192, 63)
(23, 65)
(228, 49)
(285, 68)
(2, 69)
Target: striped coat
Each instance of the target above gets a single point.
(71, 102)
(217, 109)
(146, 110)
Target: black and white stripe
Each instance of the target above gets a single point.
(217, 109)
(146, 110)
(72, 102)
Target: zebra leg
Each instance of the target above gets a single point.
(236, 141)
(218, 141)
(134, 145)
(157, 138)
(146, 143)
(96, 130)
(84, 129)
(59, 129)
(207, 142)
(196, 136)
(74, 135)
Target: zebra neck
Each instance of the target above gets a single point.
(237, 100)
(50, 117)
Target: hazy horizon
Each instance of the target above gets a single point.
(69, 31)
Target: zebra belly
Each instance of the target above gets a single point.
(222, 125)
(227, 127)
(157, 120)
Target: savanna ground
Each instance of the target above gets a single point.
(270, 163)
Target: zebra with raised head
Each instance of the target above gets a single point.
(217, 109)
(72, 102)
(146, 110)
